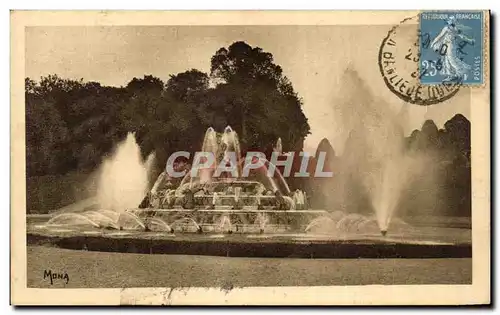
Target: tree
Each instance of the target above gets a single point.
(458, 130)
(148, 84)
(258, 100)
(186, 85)
(46, 133)
(428, 136)
(30, 86)
(450, 181)
(243, 64)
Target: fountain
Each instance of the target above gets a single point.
(122, 184)
(226, 213)
(278, 147)
(208, 198)
(212, 196)
(374, 152)
(227, 202)
(123, 180)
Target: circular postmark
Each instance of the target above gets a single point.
(399, 59)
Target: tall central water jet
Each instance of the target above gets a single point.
(226, 148)
(278, 147)
(231, 145)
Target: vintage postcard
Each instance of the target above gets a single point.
(250, 158)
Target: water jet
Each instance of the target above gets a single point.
(236, 208)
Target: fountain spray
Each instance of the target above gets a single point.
(123, 178)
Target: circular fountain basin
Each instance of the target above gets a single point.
(421, 242)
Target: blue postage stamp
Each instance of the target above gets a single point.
(451, 47)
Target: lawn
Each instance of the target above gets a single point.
(116, 270)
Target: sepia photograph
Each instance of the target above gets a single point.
(158, 153)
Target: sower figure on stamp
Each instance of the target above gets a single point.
(446, 45)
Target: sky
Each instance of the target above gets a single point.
(314, 58)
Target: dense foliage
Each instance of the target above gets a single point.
(71, 125)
